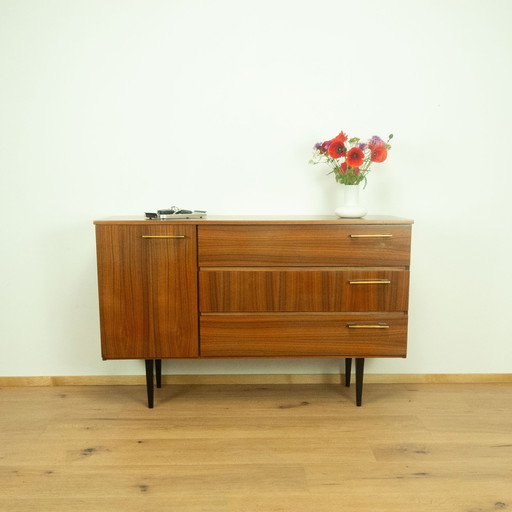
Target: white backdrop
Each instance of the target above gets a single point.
(111, 107)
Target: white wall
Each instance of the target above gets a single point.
(112, 107)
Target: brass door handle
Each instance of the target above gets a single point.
(383, 235)
(163, 236)
(370, 281)
(371, 326)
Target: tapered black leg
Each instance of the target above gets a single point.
(158, 369)
(359, 380)
(149, 381)
(348, 370)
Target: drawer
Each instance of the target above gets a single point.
(296, 289)
(304, 245)
(299, 335)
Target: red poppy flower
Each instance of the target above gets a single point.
(341, 138)
(379, 153)
(343, 168)
(355, 157)
(336, 149)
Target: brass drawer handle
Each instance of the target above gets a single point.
(373, 326)
(383, 235)
(371, 281)
(163, 236)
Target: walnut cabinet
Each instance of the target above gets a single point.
(253, 288)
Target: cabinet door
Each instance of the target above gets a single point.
(147, 277)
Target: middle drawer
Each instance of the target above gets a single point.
(295, 289)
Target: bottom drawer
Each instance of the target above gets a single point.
(304, 335)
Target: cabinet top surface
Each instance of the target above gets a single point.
(261, 219)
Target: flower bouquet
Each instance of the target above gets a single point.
(350, 159)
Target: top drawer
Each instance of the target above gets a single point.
(304, 245)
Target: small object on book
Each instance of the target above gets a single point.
(175, 213)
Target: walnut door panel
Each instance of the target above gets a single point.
(304, 245)
(295, 335)
(147, 278)
(302, 289)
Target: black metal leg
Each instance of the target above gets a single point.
(158, 368)
(149, 381)
(359, 380)
(348, 370)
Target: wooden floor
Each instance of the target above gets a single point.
(248, 448)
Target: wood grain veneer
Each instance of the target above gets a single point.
(302, 289)
(303, 245)
(147, 291)
(299, 335)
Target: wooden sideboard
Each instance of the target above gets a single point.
(255, 287)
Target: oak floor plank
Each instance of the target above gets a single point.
(170, 480)
(183, 451)
(196, 502)
(231, 427)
